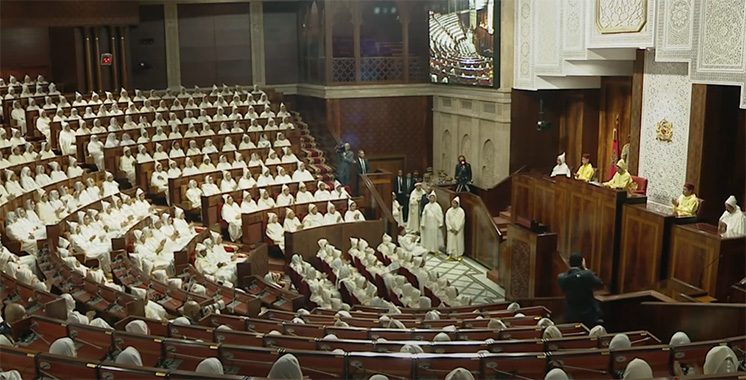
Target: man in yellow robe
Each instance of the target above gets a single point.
(585, 171)
(687, 203)
(621, 179)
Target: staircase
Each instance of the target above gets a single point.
(316, 159)
(318, 147)
(502, 221)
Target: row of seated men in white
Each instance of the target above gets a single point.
(64, 111)
(29, 154)
(231, 213)
(27, 224)
(240, 97)
(25, 182)
(208, 188)
(173, 130)
(409, 255)
(67, 137)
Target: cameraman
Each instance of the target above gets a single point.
(463, 175)
(346, 160)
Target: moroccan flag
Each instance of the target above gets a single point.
(614, 153)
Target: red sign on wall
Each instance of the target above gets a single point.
(106, 59)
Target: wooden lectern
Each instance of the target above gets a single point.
(643, 259)
(526, 267)
(701, 257)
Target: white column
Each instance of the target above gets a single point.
(173, 61)
(257, 42)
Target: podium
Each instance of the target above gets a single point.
(526, 268)
(701, 257)
(646, 230)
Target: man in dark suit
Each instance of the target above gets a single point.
(403, 186)
(363, 166)
(462, 175)
(578, 284)
(399, 186)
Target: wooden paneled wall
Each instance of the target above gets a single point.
(147, 49)
(615, 107)
(574, 115)
(716, 162)
(48, 13)
(214, 44)
(385, 127)
(281, 42)
(24, 50)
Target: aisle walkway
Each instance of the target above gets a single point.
(469, 276)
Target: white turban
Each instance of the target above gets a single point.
(64, 347)
(619, 341)
(129, 356)
(137, 327)
(460, 374)
(210, 366)
(286, 367)
(637, 369)
(719, 360)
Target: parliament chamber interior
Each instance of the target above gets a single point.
(373, 189)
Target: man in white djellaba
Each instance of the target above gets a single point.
(455, 222)
(413, 221)
(431, 225)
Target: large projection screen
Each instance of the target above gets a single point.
(463, 44)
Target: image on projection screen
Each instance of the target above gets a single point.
(462, 43)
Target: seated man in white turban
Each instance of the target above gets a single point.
(733, 221)
(285, 198)
(332, 216)
(231, 214)
(212, 259)
(291, 222)
(302, 174)
(322, 194)
(561, 169)
(275, 231)
(152, 309)
(353, 214)
(303, 195)
(313, 218)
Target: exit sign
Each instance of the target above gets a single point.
(106, 59)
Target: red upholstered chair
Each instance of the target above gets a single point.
(641, 185)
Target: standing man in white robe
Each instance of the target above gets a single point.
(455, 221)
(413, 221)
(431, 225)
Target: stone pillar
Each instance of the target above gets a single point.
(256, 15)
(357, 22)
(173, 61)
(507, 47)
